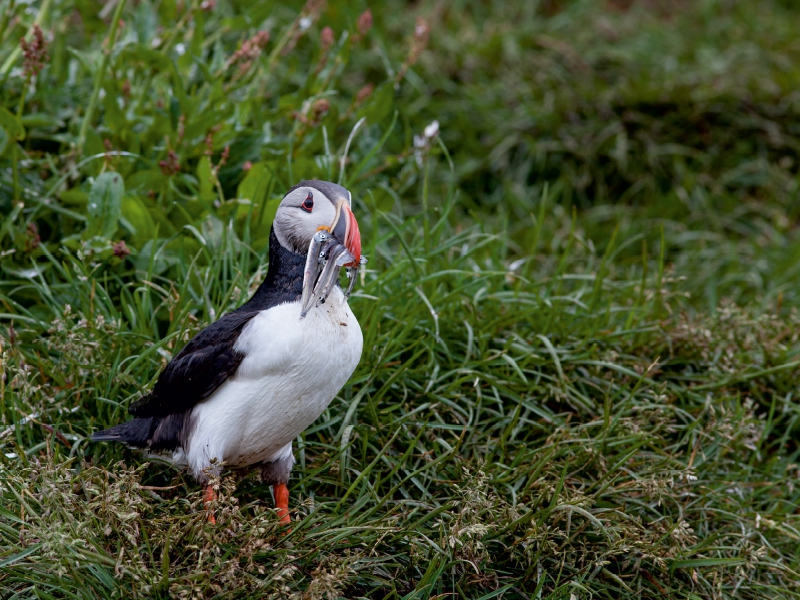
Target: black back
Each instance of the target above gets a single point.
(207, 360)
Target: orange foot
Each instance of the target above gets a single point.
(209, 496)
(282, 501)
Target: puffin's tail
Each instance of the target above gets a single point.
(135, 433)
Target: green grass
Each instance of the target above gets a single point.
(580, 310)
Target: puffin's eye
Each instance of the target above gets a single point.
(308, 203)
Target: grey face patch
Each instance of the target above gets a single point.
(294, 227)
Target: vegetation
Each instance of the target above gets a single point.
(580, 312)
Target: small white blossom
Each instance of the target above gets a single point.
(423, 142)
(180, 49)
(432, 130)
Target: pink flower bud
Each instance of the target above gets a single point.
(364, 22)
(326, 39)
(364, 93)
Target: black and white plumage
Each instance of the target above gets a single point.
(245, 386)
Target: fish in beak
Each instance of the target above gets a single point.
(331, 248)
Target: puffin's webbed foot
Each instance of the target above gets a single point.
(281, 492)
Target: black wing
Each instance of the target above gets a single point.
(199, 369)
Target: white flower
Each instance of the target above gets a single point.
(514, 266)
(305, 23)
(423, 142)
(180, 49)
(432, 130)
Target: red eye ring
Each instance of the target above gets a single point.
(308, 203)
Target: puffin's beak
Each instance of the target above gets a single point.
(345, 229)
(336, 246)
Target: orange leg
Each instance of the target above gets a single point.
(282, 501)
(209, 496)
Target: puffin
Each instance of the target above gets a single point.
(243, 388)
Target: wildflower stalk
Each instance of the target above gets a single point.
(14, 145)
(35, 52)
(334, 70)
(425, 221)
(98, 76)
(12, 58)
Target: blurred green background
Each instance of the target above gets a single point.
(580, 310)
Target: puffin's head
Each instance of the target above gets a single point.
(315, 205)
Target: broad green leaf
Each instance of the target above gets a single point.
(255, 184)
(212, 230)
(198, 36)
(147, 180)
(138, 216)
(105, 205)
(113, 114)
(145, 22)
(3, 140)
(306, 167)
(94, 146)
(40, 119)
(206, 180)
(269, 211)
(74, 197)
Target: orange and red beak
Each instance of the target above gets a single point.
(345, 229)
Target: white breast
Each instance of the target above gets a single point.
(292, 369)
